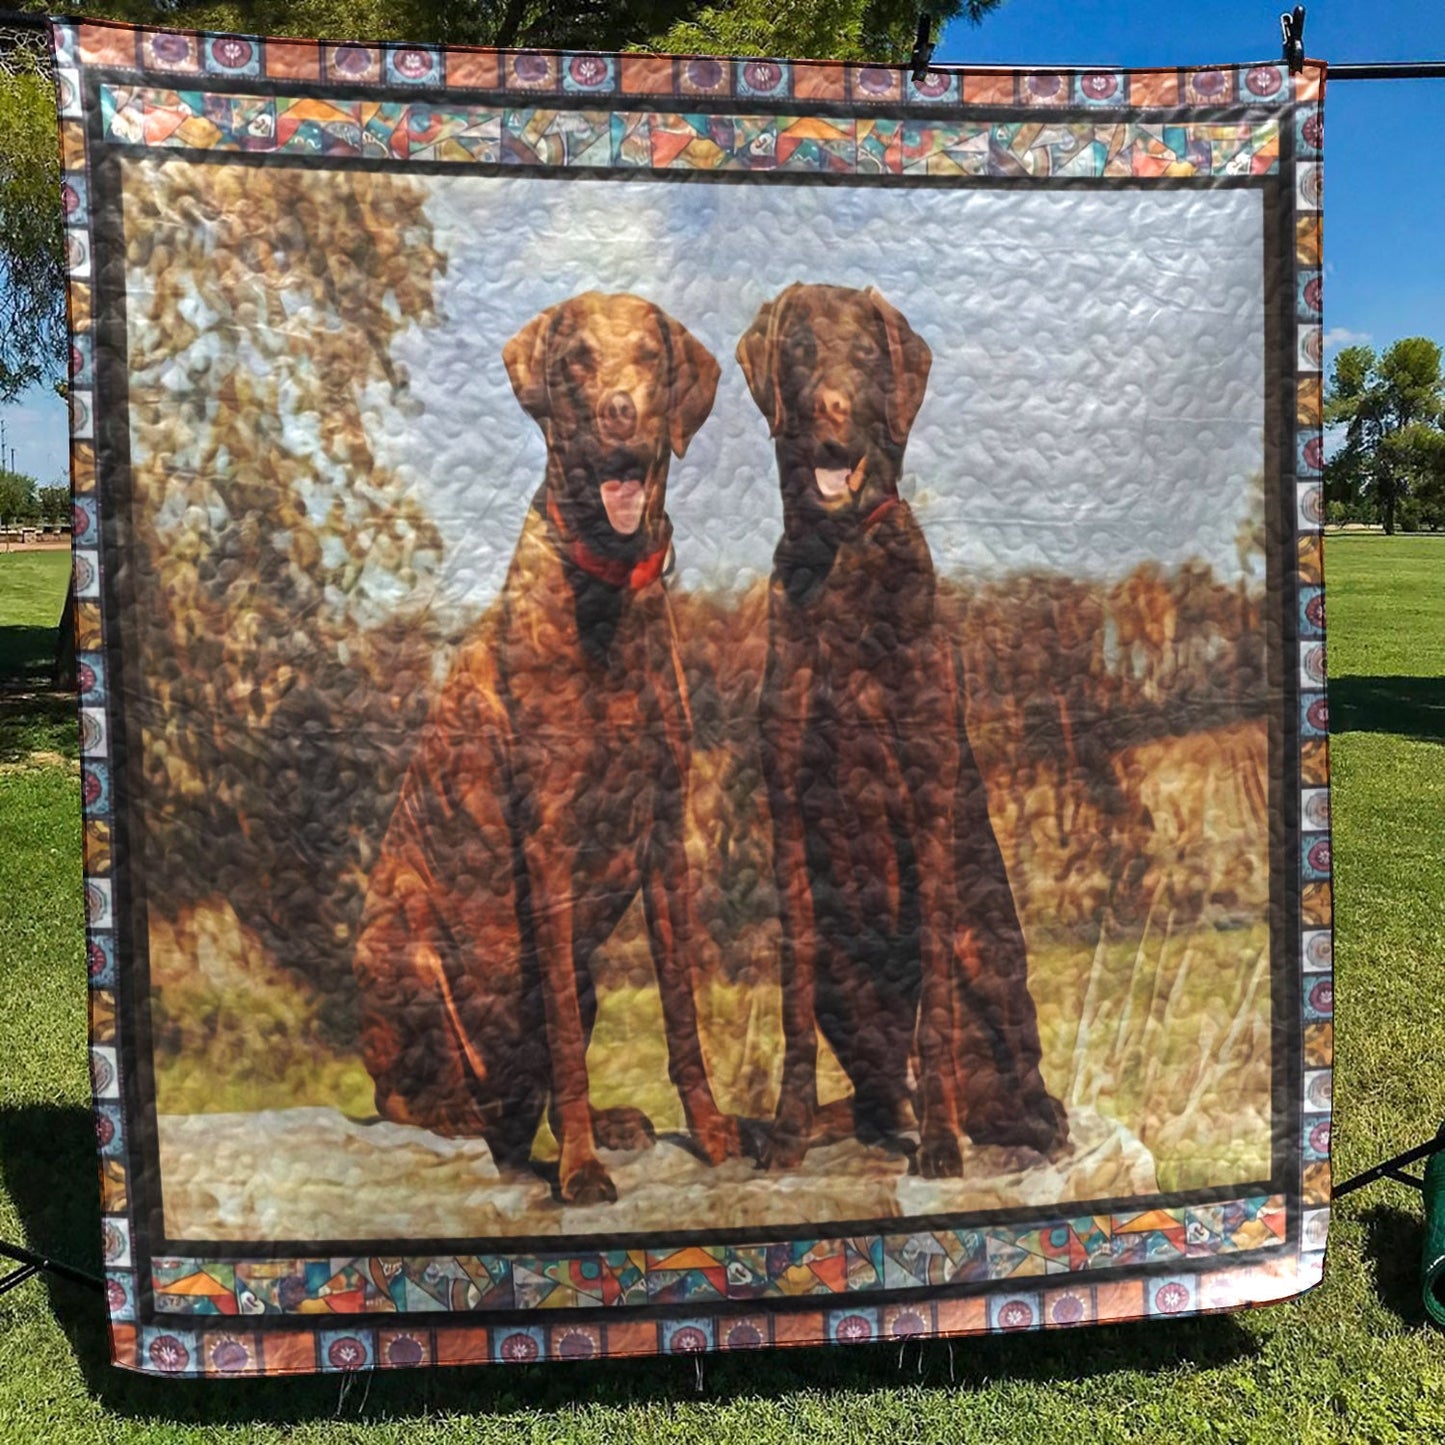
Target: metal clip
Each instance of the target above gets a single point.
(1292, 35)
(918, 62)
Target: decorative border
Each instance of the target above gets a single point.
(697, 1298)
(178, 55)
(697, 1275)
(533, 135)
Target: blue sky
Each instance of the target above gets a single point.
(1384, 193)
(1384, 196)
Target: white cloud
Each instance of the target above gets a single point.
(1343, 336)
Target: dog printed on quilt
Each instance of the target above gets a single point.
(549, 785)
(900, 936)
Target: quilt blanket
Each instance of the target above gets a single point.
(702, 694)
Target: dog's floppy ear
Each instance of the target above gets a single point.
(758, 356)
(525, 357)
(693, 384)
(909, 359)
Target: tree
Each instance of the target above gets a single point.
(17, 498)
(32, 256)
(877, 30)
(54, 503)
(1392, 407)
(33, 340)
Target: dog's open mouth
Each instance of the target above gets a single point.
(835, 473)
(623, 492)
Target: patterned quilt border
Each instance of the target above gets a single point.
(169, 109)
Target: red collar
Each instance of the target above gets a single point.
(632, 575)
(880, 511)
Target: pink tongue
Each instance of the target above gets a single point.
(835, 481)
(623, 501)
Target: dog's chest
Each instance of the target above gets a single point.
(601, 734)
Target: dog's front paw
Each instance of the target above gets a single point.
(717, 1138)
(784, 1147)
(939, 1157)
(589, 1183)
(1031, 1119)
(623, 1128)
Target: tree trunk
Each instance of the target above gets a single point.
(65, 641)
(510, 25)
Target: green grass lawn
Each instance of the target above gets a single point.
(32, 717)
(1353, 1361)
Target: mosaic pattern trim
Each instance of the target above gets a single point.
(232, 1349)
(790, 1269)
(658, 140)
(176, 54)
(1032, 1266)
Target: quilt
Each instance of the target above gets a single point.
(702, 692)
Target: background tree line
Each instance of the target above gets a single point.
(32, 340)
(21, 500)
(1390, 465)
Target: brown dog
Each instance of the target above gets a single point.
(900, 937)
(549, 785)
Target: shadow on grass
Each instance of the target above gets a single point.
(27, 656)
(1412, 707)
(46, 1151)
(35, 715)
(1391, 1248)
(37, 722)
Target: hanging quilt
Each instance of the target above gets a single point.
(702, 693)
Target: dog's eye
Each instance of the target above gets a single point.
(801, 349)
(578, 359)
(865, 350)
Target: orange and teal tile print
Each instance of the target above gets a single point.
(218, 1349)
(715, 1274)
(423, 130)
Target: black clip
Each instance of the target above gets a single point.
(1292, 32)
(922, 50)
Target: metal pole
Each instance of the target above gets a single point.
(1394, 70)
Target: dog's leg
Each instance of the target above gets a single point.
(594, 917)
(623, 1127)
(938, 1150)
(792, 1129)
(672, 929)
(790, 768)
(581, 1177)
(1004, 1099)
(925, 763)
(427, 1064)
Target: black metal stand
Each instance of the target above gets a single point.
(33, 1264)
(1393, 1168)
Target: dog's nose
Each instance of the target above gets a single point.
(831, 405)
(619, 416)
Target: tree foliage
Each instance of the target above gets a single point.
(32, 257)
(54, 503)
(18, 502)
(877, 30)
(1391, 465)
(272, 554)
(32, 341)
